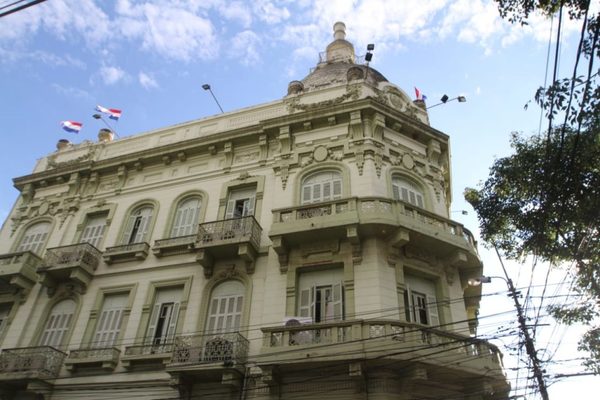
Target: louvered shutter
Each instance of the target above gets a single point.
(172, 323)
(396, 192)
(420, 201)
(142, 231)
(34, 238)
(4, 311)
(177, 223)
(338, 304)
(432, 306)
(230, 209)
(307, 302)
(337, 189)
(109, 323)
(94, 230)
(326, 191)
(306, 194)
(316, 193)
(58, 324)
(153, 322)
(128, 229)
(249, 206)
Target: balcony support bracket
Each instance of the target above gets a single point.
(282, 251)
(204, 258)
(354, 239)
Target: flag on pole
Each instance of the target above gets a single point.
(420, 96)
(71, 126)
(112, 113)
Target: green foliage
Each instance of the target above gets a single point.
(544, 200)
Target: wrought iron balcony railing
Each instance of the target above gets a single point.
(148, 349)
(83, 254)
(235, 230)
(230, 348)
(42, 362)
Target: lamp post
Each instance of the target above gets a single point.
(206, 86)
(529, 344)
(445, 99)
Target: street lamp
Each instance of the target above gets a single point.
(445, 99)
(206, 86)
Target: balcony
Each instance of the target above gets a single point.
(105, 358)
(382, 342)
(28, 363)
(230, 238)
(126, 252)
(72, 264)
(149, 354)
(172, 246)
(216, 357)
(400, 223)
(18, 271)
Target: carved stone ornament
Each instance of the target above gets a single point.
(320, 153)
(408, 162)
(352, 93)
(52, 163)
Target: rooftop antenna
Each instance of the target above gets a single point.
(206, 86)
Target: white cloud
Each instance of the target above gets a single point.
(71, 91)
(237, 11)
(268, 12)
(245, 46)
(147, 81)
(168, 30)
(112, 75)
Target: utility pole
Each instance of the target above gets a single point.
(529, 345)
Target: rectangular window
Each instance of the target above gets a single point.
(240, 203)
(110, 320)
(163, 321)
(321, 295)
(420, 303)
(93, 232)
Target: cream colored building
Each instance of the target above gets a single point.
(292, 250)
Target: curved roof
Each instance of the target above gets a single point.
(329, 74)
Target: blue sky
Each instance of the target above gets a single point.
(150, 59)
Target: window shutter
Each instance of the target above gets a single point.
(338, 304)
(109, 323)
(249, 206)
(94, 230)
(396, 192)
(432, 306)
(172, 323)
(152, 324)
(306, 194)
(337, 189)
(58, 324)
(405, 194)
(143, 227)
(316, 193)
(34, 238)
(408, 306)
(420, 201)
(230, 209)
(307, 302)
(128, 229)
(175, 232)
(326, 191)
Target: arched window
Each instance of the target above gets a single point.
(321, 186)
(138, 224)
(34, 237)
(226, 305)
(407, 191)
(186, 217)
(58, 324)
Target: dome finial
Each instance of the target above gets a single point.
(339, 30)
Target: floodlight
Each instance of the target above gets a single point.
(444, 98)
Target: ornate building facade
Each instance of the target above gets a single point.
(296, 249)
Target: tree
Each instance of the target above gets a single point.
(544, 200)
